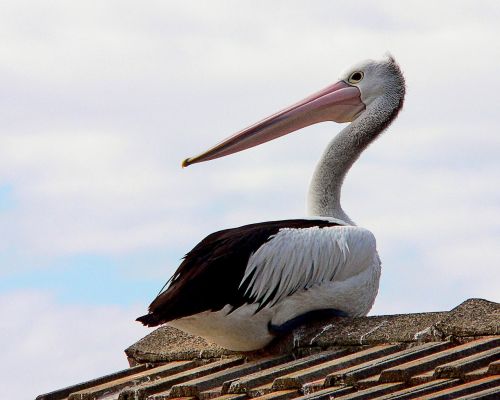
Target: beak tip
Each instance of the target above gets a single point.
(186, 163)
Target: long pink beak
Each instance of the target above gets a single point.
(339, 102)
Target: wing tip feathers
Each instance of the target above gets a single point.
(150, 320)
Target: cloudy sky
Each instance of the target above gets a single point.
(100, 102)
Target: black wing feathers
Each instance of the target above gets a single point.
(210, 274)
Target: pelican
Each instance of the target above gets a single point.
(241, 287)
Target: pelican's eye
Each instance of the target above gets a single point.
(356, 77)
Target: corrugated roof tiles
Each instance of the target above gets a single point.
(463, 364)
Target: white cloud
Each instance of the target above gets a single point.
(57, 345)
(96, 167)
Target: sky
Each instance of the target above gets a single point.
(101, 101)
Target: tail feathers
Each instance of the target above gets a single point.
(150, 320)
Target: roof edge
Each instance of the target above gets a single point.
(471, 319)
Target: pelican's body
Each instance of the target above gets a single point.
(240, 287)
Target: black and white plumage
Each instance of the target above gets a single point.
(237, 284)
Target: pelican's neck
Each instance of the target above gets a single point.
(340, 155)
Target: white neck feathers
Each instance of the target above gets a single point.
(342, 152)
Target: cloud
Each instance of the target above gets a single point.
(95, 169)
(58, 345)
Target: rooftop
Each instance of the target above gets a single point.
(429, 355)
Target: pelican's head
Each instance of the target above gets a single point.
(376, 80)
(344, 101)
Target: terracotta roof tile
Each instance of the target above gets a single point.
(416, 392)
(279, 395)
(328, 393)
(405, 371)
(193, 387)
(373, 392)
(141, 391)
(351, 375)
(458, 368)
(494, 368)
(144, 376)
(471, 388)
(298, 379)
(258, 379)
